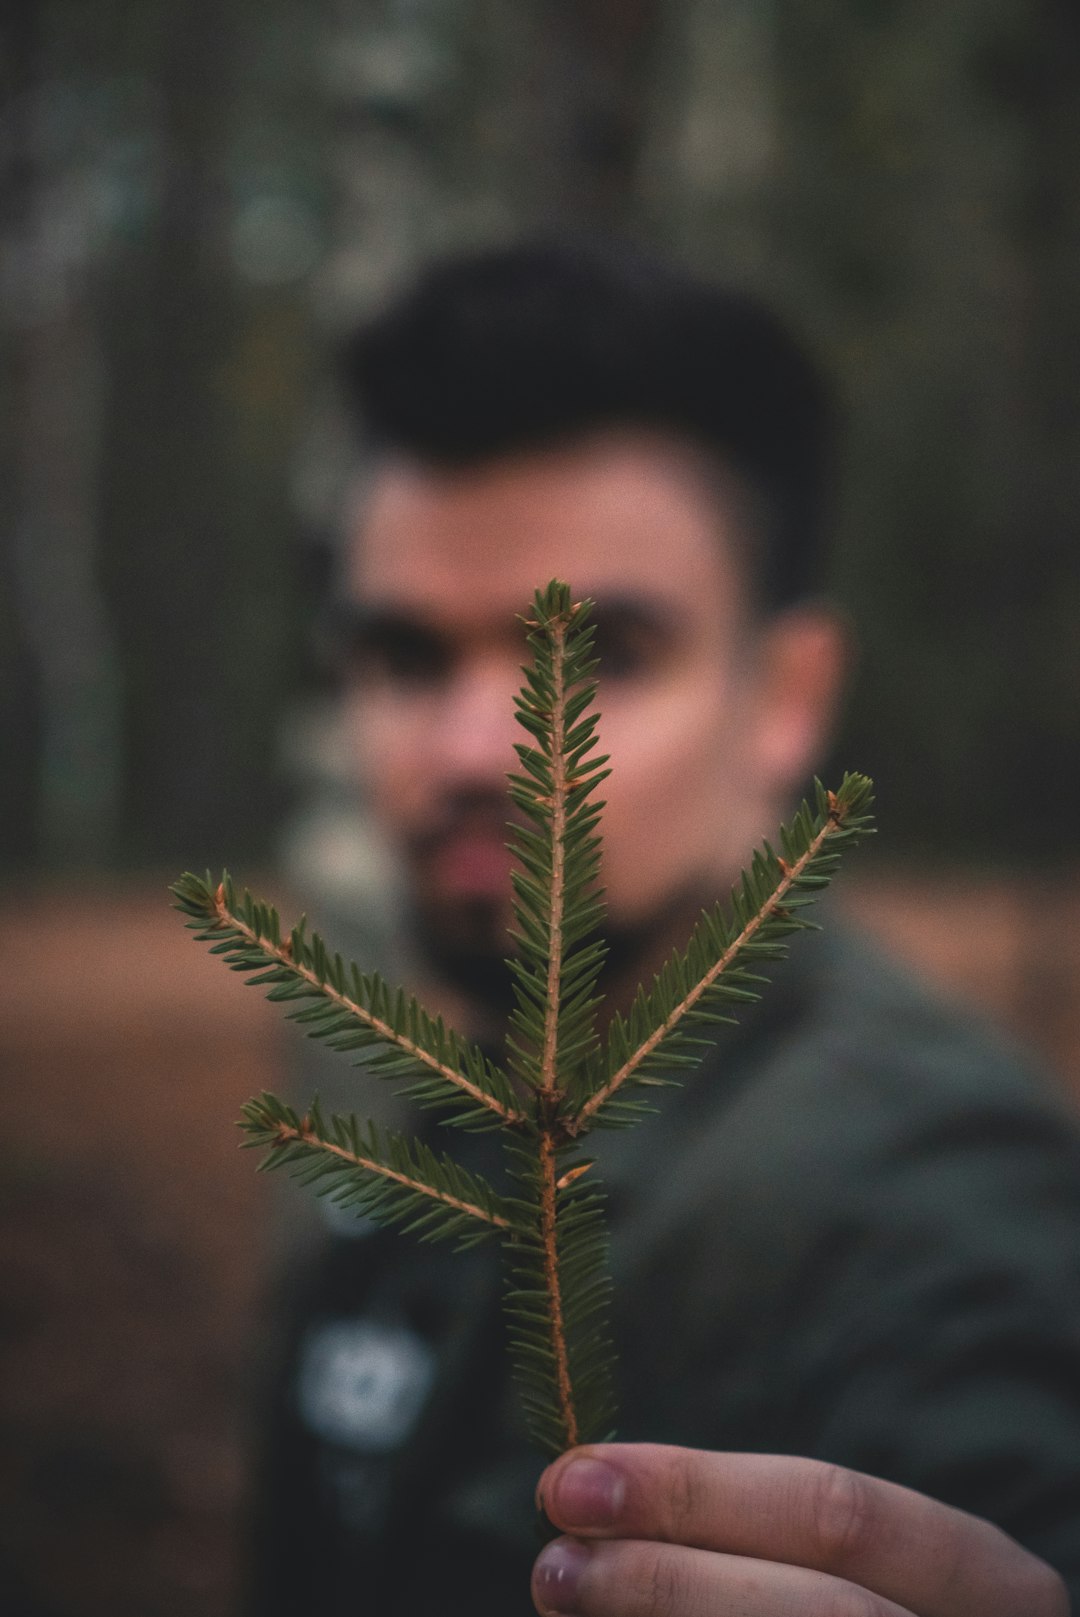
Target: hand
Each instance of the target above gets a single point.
(671, 1532)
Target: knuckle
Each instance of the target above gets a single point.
(841, 1516)
(680, 1497)
(665, 1586)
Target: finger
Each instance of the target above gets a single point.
(636, 1578)
(928, 1557)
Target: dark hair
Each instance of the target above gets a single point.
(530, 346)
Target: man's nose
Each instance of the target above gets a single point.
(478, 728)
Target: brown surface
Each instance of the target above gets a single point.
(130, 1257)
(132, 1235)
(1009, 946)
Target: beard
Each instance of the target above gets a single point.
(460, 935)
(468, 946)
(463, 938)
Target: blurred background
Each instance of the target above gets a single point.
(199, 200)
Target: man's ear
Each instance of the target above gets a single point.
(806, 653)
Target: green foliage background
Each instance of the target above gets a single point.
(202, 197)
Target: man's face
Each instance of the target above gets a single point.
(442, 563)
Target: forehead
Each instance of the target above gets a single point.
(619, 516)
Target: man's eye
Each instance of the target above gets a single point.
(401, 656)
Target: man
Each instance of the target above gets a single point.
(853, 1238)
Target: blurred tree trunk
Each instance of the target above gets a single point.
(61, 706)
(19, 681)
(1045, 554)
(902, 179)
(186, 571)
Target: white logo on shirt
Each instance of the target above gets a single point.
(363, 1385)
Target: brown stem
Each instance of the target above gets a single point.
(549, 1049)
(548, 1228)
(791, 874)
(285, 1133)
(549, 1053)
(283, 954)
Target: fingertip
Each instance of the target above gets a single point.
(546, 1483)
(557, 1576)
(583, 1493)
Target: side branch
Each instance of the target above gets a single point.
(282, 953)
(789, 879)
(286, 1135)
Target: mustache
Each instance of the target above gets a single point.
(476, 811)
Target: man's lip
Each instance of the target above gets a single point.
(471, 863)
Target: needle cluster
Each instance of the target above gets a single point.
(562, 1078)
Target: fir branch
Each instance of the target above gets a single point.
(563, 1360)
(556, 894)
(248, 934)
(553, 1227)
(557, 1322)
(390, 1179)
(557, 900)
(680, 995)
(556, 906)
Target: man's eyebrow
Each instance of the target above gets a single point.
(359, 621)
(361, 631)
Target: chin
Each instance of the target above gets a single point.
(465, 944)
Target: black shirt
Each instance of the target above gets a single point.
(855, 1236)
